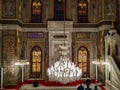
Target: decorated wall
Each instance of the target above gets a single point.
(101, 54)
(9, 8)
(32, 42)
(21, 9)
(18, 35)
(10, 55)
(89, 41)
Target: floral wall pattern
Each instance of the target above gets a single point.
(9, 57)
(8, 52)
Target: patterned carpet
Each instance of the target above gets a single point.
(51, 85)
(41, 87)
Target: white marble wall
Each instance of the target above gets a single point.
(112, 73)
(57, 28)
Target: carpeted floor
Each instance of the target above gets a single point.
(50, 85)
(41, 87)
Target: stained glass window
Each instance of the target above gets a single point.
(83, 59)
(36, 62)
(36, 12)
(36, 7)
(59, 9)
(82, 11)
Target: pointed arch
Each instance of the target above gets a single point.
(36, 62)
(59, 9)
(83, 60)
(82, 11)
(36, 11)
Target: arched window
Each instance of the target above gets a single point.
(36, 62)
(82, 11)
(83, 60)
(59, 9)
(36, 11)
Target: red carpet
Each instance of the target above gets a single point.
(49, 83)
(102, 87)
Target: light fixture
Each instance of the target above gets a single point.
(22, 63)
(64, 70)
(96, 62)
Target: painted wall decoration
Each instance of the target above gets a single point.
(19, 45)
(101, 47)
(9, 8)
(25, 10)
(83, 35)
(110, 8)
(93, 11)
(99, 10)
(33, 35)
(8, 56)
(46, 13)
(56, 53)
(73, 11)
(20, 9)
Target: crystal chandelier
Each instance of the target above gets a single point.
(64, 70)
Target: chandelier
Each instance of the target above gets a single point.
(22, 63)
(64, 70)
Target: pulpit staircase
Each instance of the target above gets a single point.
(113, 78)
